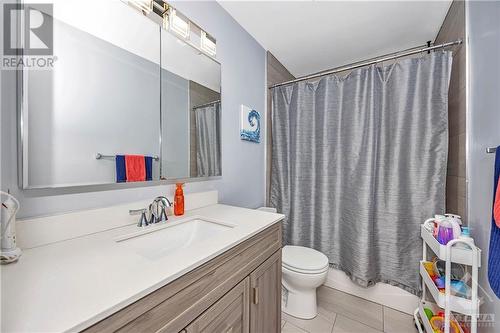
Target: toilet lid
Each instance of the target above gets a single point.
(303, 259)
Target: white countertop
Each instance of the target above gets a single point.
(72, 284)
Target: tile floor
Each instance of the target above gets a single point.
(339, 312)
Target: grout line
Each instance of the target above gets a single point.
(383, 318)
(334, 321)
(297, 327)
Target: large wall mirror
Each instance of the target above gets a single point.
(137, 79)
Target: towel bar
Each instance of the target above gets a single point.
(99, 156)
(491, 150)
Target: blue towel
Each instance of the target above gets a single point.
(149, 167)
(121, 173)
(494, 253)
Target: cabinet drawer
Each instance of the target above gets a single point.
(230, 314)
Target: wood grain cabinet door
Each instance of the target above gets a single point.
(230, 314)
(265, 294)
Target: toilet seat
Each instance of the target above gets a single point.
(304, 260)
(305, 272)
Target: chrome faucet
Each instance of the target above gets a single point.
(156, 212)
(158, 209)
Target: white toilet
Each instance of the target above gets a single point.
(304, 270)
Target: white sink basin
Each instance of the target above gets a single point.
(157, 241)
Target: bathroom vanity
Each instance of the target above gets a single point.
(238, 291)
(215, 269)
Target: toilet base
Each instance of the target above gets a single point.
(300, 304)
(303, 271)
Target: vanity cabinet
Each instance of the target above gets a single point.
(265, 308)
(237, 291)
(230, 314)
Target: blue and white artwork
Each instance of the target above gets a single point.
(250, 124)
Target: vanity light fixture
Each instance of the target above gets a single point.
(178, 24)
(145, 6)
(161, 7)
(208, 44)
(166, 20)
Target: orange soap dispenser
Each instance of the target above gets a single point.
(179, 200)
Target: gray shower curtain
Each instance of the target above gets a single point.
(359, 162)
(208, 159)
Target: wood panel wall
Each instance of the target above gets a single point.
(276, 73)
(454, 28)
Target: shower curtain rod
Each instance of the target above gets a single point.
(371, 61)
(206, 104)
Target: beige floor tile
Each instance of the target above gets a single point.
(289, 328)
(329, 315)
(346, 325)
(397, 322)
(352, 307)
(319, 324)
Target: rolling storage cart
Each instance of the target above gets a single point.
(446, 302)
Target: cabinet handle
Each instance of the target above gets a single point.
(256, 295)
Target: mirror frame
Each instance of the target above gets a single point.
(22, 158)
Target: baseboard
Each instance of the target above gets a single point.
(387, 295)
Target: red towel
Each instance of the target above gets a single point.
(135, 166)
(496, 206)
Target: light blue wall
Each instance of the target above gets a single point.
(243, 82)
(483, 131)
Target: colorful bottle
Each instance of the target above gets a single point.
(179, 200)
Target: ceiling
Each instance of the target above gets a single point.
(311, 36)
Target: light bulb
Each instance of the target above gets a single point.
(208, 44)
(178, 24)
(146, 6)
